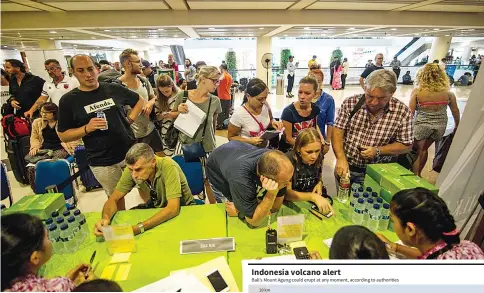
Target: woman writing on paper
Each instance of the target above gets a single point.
(26, 248)
(202, 97)
(306, 183)
(422, 221)
(249, 122)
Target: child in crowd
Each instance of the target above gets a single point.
(357, 242)
(25, 248)
(99, 285)
(423, 221)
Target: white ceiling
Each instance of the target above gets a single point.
(249, 9)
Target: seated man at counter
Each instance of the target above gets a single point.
(161, 184)
(253, 180)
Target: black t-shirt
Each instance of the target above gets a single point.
(232, 169)
(299, 123)
(370, 70)
(51, 139)
(305, 176)
(27, 93)
(103, 147)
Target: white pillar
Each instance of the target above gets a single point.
(49, 45)
(466, 55)
(440, 47)
(50, 50)
(264, 45)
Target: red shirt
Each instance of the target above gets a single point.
(173, 66)
(223, 90)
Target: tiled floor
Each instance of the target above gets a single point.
(94, 200)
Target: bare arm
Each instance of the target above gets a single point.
(362, 82)
(137, 109)
(263, 209)
(234, 134)
(110, 206)
(288, 132)
(329, 133)
(395, 149)
(36, 105)
(454, 109)
(171, 210)
(337, 142)
(413, 102)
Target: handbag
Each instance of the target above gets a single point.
(171, 136)
(41, 155)
(194, 151)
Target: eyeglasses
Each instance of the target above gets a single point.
(215, 81)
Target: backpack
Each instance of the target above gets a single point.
(15, 127)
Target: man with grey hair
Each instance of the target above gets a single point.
(371, 128)
(161, 184)
(377, 66)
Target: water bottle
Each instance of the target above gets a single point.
(369, 189)
(360, 189)
(379, 200)
(81, 220)
(354, 187)
(374, 195)
(66, 214)
(357, 218)
(385, 217)
(354, 200)
(74, 227)
(55, 214)
(70, 246)
(366, 195)
(344, 189)
(54, 237)
(368, 206)
(59, 221)
(102, 115)
(48, 222)
(374, 220)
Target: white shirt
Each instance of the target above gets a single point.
(291, 68)
(242, 119)
(346, 66)
(55, 92)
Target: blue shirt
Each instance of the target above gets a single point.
(327, 112)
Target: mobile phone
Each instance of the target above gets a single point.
(315, 208)
(301, 253)
(218, 283)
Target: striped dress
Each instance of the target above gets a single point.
(164, 124)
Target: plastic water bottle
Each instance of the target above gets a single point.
(54, 237)
(366, 195)
(81, 220)
(379, 200)
(374, 220)
(360, 189)
(102, 115)
(59, 221)
(385, 217)
(344, 189)
(66, 214)
(48, 222)
(354, 187)
(70, 245)
(374, 195)
(74, 227)
(368, 206)
(369, 189)
(357, 217)
(354, 200)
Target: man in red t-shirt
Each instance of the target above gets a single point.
(172, 65)
(223, 92)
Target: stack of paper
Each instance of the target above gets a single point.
(189, 123)
(180, 282)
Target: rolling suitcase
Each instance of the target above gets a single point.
(16, 152)
(87, 177)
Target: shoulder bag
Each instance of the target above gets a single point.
(171, 136)
(194, 151)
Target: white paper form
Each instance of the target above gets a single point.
(189, 123)
(180, 282)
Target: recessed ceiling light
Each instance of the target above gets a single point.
(75, 45)
(436, 29)
(211, 28)
(175, 36)
(447, 35)
(393, 29)
(351, 28)
(107, 30)
(5, 46)
(93, 38)
(51, 38)
(470, 30)
(261, 28)
(307, 28)
(285, 35)
(53, 32)
(161, 29)
(134, 37)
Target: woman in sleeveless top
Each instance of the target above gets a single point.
(428, 103)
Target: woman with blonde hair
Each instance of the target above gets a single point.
(428, 103)
(208, 79)
(307, 183)
(166, 93)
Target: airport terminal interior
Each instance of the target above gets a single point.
(263, 39)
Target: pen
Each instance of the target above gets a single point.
(312, 212)
(90, 263)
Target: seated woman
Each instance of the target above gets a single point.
(357, 242)
(301, 114)
(249, 122)
(422, 221)
(25, 248)
(306, 183)
(166, 92)
(44, 137)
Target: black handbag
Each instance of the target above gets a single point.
(194, 151)
(171, 136)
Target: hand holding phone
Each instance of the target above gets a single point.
(217, 281)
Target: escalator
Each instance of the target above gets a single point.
(407, 46)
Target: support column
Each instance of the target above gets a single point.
(466, 55)
(49, 45)
(440, 47)
(49, 50)
(264, 45)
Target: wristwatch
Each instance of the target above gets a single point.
(141, 228)
(377, 152)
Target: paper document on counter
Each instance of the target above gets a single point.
(180, 282)
(189, 123)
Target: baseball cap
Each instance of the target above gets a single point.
(146, 63)
(291, 57)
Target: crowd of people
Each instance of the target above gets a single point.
(126, 124)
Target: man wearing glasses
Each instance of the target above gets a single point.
(61, 84)
(161, 184)
(143, 128)
(371, 128)
(377, 66)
